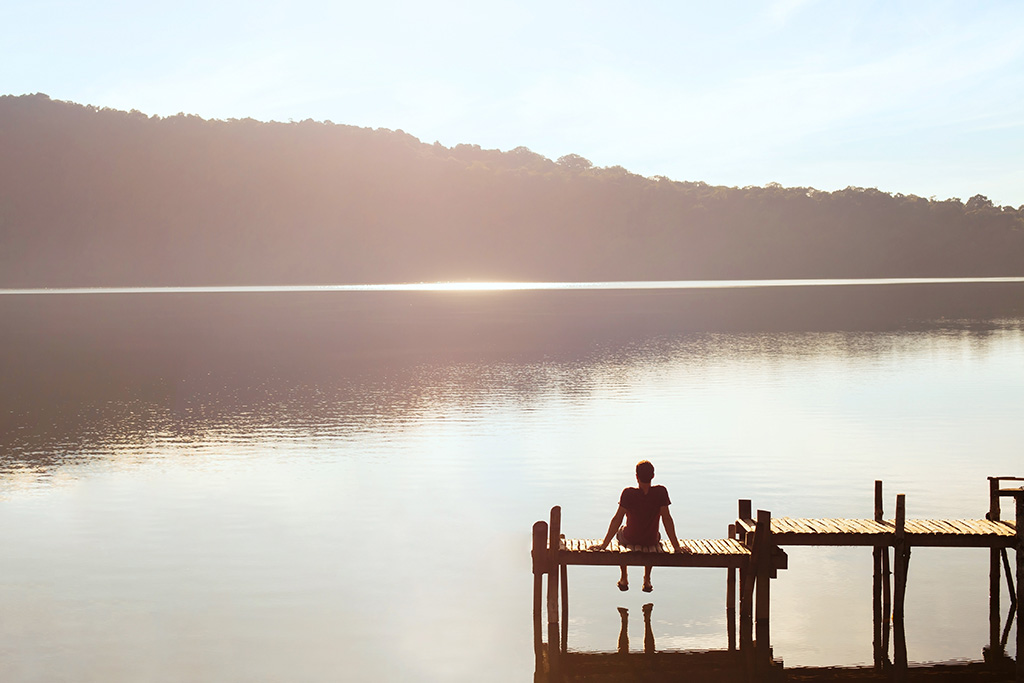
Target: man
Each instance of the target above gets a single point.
(643, 508)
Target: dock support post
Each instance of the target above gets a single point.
(554, 541)
(995, 643)
(886, 603)
(901, 558)
(746, 588)
(876, 587)
(1019, 521)
(763, 553)
(540, 552)
(730, 598)
(565, 607)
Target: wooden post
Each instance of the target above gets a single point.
(540, 552)
(1019, 521)
(554, 541)
(876, 586)
(763, 549)
(747, 575)
(900, 558)
(886, 604)
(565, 607)
(730, 598)
(1009, 582)
(878, 500)
(994, 618)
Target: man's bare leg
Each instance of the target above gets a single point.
(647, 580)
(623, 583)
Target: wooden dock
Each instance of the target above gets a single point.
(959, 533)
(753, 553)
(704, 552)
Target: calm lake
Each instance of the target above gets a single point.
(340, 484)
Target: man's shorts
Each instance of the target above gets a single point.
(621, 532)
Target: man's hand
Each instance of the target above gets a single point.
(600, 546)
(685, 550)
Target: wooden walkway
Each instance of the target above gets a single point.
(753, 551)
(704, 552)
(961, 533)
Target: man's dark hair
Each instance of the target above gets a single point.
(644, 472)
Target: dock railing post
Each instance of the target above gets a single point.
(540, 553)
(901, 558)
(876, 586)
(554, 543)
(995, 643)
(762, 606)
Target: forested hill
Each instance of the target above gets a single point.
(102, 197)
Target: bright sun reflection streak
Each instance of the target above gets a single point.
(518, 286)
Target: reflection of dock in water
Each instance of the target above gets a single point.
(711, 666)
(650, 665)
(752, 555)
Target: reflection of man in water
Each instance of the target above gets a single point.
(643, 508)
(624, 630)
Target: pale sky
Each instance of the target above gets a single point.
(922, 98)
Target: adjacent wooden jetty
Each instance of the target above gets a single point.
(753, 550)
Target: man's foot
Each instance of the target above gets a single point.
(647, 587)
(623, 585)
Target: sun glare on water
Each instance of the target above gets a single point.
(488, 286)
(512, 286)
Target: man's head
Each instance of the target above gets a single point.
(644, 472)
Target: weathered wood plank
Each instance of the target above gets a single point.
(856, 526)
(705, 553)
(957, 527)
(791, 525)
(863, 526)
(825, 525)
(942, 524)
(839, 525)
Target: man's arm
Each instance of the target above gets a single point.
(612, 528)
(670, 530)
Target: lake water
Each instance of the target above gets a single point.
(340, 485)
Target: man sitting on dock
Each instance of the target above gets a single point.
(643, 508)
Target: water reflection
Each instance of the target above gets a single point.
(233, 487)
(87, 375)
(623, 643)
(650, 663)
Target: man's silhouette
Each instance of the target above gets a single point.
(643, 508)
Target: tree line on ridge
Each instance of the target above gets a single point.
(100, 197)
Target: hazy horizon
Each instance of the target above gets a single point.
(917, 98)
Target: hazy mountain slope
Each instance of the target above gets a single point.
(103, 197)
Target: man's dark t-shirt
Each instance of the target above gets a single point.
(643, 514)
